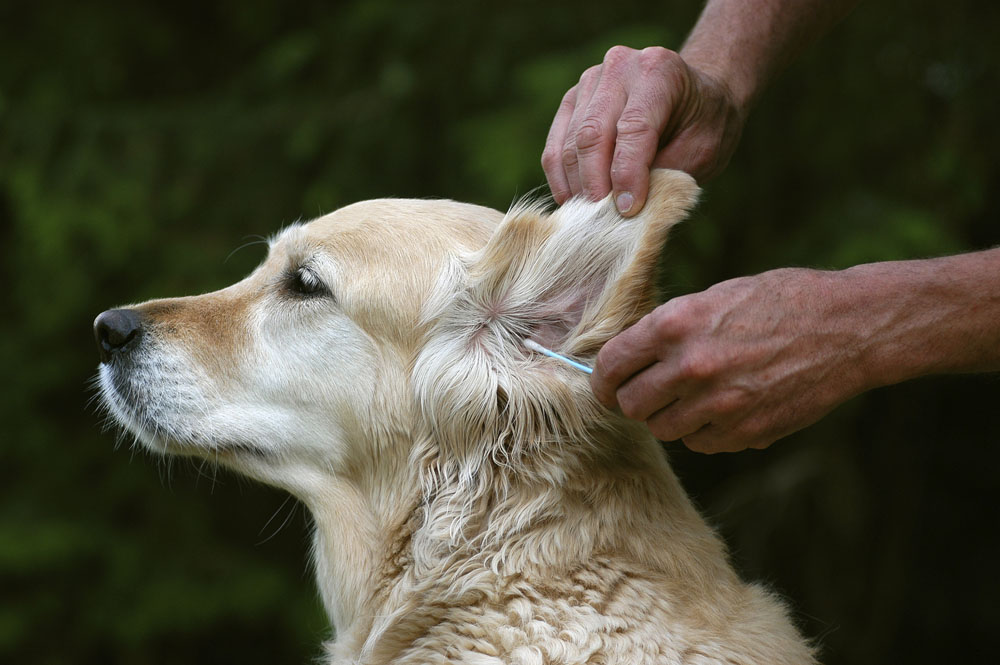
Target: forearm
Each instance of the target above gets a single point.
(753, 359)
(746, 43)
(928, 316)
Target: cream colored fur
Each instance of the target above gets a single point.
(473, 502)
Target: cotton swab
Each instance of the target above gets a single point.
(535, 346)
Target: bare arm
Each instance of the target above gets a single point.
(746, 43)
(933, 316)
(753, 359)
(658, 108)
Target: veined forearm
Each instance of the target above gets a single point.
(746, 43)
(930, 316)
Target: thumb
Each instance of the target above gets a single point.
(638, 137)
(635, 149)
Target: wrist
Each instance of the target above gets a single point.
(746, 43)
(737, 44)
(739, 84)
(890, 329)
(834, 315)
(873, 319)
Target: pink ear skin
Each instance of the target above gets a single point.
(559, 314)
(629, 292)
(573, 279)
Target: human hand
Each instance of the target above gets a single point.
(637, 110)
(741, 364)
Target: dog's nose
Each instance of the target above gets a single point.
(114, 329)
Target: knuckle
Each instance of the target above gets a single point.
(696, 365)
(729, 403)
(635, 124)
(657, 54)
(689, 311)
(626, 171)
(568, 156)
(671, 423)
(752, 428)
(604, 364)
(603, 394)
(630, 408)
(569, 99)
(666, 320)
(665, 67)
(618, 54)
(656, 57)
(551, 158)
(590, 134)
(589, 74)
(607, 364)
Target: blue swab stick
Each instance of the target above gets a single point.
(535, 346)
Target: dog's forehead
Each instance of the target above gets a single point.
(392, 229)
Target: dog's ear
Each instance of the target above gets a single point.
(574, 279)
(570, 280)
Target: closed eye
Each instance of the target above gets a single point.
(305, 283)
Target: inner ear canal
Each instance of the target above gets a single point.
(559, 312)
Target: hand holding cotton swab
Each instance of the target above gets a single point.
(535, 346)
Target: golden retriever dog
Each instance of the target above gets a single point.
(473, 502)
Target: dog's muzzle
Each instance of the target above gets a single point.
(117, 332)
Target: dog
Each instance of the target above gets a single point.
(473, 502)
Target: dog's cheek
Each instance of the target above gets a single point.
(318, 374)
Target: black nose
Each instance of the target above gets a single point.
(114, 329)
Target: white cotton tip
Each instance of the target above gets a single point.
(535, 346)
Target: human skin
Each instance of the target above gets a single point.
(753, 359)
(655, 107)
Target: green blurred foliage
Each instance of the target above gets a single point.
(141, 143)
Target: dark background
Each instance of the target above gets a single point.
(140, 144)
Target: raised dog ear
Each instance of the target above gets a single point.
(570, 280)
(574, 279)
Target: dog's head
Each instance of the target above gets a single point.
(391, 332)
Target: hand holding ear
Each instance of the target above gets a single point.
(635, 111)
(740, 365)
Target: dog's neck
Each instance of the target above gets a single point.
(360, 546)
(385, 553)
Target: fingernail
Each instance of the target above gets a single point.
(624, 202)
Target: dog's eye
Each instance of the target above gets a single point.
(305, 282)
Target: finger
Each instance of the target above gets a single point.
(713, 439)
(730, 435)
(648, 392)
(678, 420)
(620, 358)
(570, 157)
(595, 138)
(710, 440)
(641, 126)
(552, 162)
